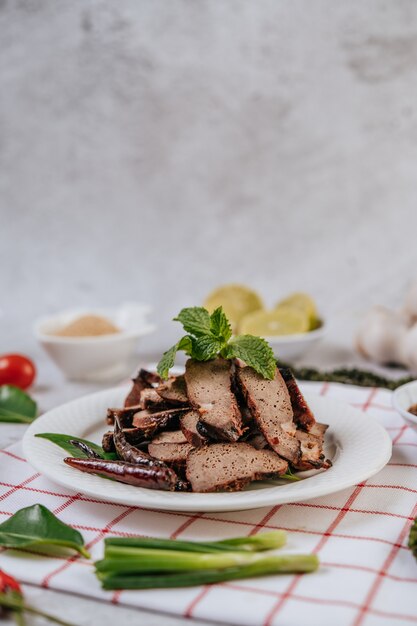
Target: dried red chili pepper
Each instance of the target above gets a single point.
(140, 476)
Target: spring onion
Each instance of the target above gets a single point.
(150, 563)
(263, 541)
(290, 564)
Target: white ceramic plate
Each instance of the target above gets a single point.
(358, 446)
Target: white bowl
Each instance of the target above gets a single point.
(404, 397)
(95, 359)
(289, 347)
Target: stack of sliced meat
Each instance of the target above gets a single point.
(219, 426)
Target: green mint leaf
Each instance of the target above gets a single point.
(219, 324)
(167, 361)
(206, 347)
(256, 353)
(196, 320)
(185, 344)
(168, 358)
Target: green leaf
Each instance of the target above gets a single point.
(36, 526)
(167, 361)
(290, 476)
(16, 405)
(206, 347)
(196, 320)
(168, 358)
(219, 324)
(63, 441)
(255, 351)
(186, 344)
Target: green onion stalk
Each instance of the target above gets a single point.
(290, 564)
(149, 563)
(264, 541)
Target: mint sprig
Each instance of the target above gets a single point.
(210, 336)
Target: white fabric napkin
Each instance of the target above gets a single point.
(367, 577)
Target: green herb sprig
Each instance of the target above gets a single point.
(211, 335)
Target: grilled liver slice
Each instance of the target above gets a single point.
(125, 416)
(143, 380)
(209, 392)
(107, 442)
(312, 455)
(188, 425)
(319, 430)
(150, 399)
(174, 391)
(170, 436)
(311, 451)
(303, 415)
(270, 405)
(231, 466)
(170, 447)
(152, 423)
(257, 440)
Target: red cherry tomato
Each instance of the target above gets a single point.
(16, 369)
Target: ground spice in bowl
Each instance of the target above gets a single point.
(87, 326)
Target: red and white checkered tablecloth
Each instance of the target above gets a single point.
(367, 577)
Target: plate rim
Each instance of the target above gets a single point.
(206, 502)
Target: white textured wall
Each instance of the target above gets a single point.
(151, 149)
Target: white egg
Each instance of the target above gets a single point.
(381, 334)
